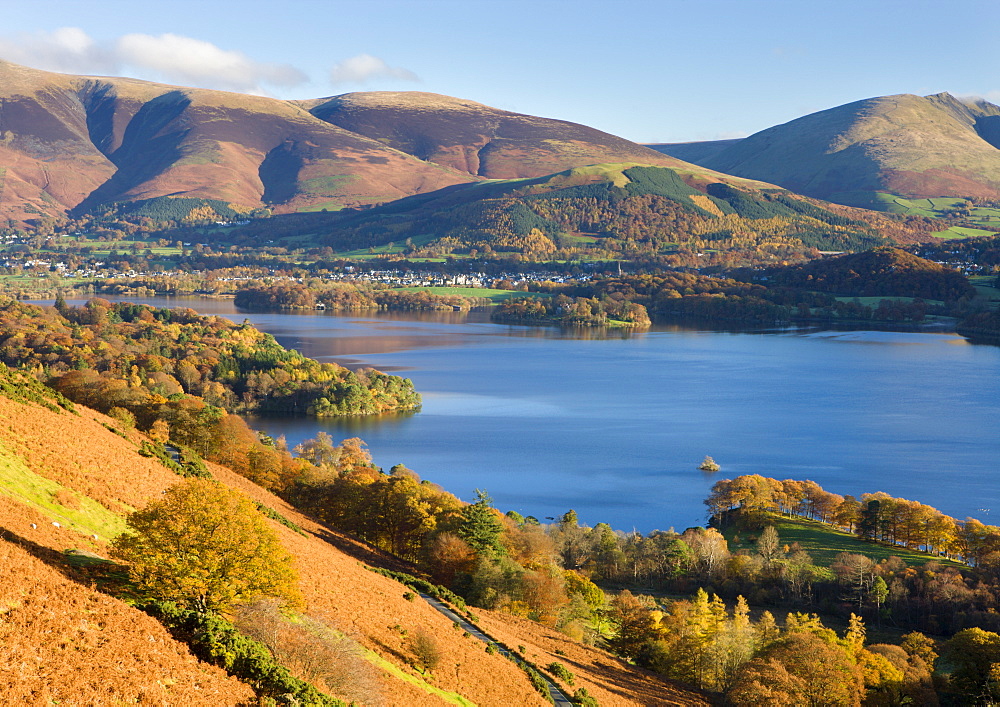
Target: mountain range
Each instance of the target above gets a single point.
(73, 143)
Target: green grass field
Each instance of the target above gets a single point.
(824, 542)
(937, 208)
(873, 301)
(495, 295)
(50, 498)
(963, 232)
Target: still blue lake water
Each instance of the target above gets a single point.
(615, 426)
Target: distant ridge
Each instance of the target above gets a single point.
(909, 145)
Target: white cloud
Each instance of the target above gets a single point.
(195, 61)
(169, 57)
(991, 96)
(365, 67)
(67, 49)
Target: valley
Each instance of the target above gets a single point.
(458, 372)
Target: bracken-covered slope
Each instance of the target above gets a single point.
(77, 143)
(72, 141)
(904, 144)
(475, 138)
(62, 641)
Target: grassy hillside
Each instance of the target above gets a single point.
(917, 147)
(76, 142)
(61, 636)
(85, 144)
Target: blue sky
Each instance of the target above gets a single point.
(666, 71)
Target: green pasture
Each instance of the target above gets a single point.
(824, 542)
(936, 208)
(580, 239)
(83, 515)
(963, 232)
(495, 295)
(873, 301)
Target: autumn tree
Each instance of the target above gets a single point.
(975, 655)
(205, 546)
(800, 669)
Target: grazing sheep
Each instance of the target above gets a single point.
(56, 524)
(34, 527)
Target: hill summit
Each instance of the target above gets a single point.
(914, 146)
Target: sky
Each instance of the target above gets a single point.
(649, 71)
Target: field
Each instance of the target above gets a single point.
(873, 301)
(940, 207)
(823, 543)
(963, 232)
(984, 285)
(495, 295)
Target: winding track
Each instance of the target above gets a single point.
(558, 696)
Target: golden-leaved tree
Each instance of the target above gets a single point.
(205, 546)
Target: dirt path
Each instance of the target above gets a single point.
(558, 696)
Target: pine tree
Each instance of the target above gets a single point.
(481, 528)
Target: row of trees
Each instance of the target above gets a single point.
(874, 516)
(355, 296)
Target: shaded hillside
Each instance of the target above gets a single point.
(883, 271)
(77, 142)
(904, 144)
(619, 210)
(82, 471)
(696, 152)
(478, 139)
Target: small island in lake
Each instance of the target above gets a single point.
(709, 464)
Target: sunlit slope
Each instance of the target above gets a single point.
(65, 477)
(478, 139)
(914, 146)
(77, 142)
(652, 207)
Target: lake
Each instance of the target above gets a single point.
(614, 425)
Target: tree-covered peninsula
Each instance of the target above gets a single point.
(139, 358)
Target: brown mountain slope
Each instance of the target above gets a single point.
(904, 144)
(63, 643)
(71, 140)
(75, 142)
(53, 466)
(483, 141)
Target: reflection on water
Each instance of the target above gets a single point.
(615, 423)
